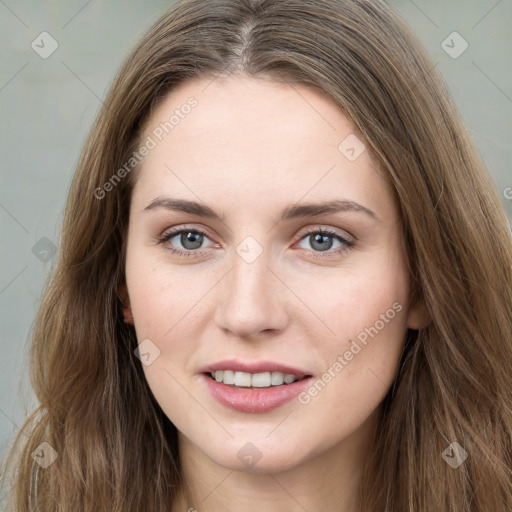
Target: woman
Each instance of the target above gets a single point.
(284, 281)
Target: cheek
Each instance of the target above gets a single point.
(164, 313)
(159, 294)
(363, 326)
(167, 306)
(348, 302)
(362, 360)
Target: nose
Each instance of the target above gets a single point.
(252, 299)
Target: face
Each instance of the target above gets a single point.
(290, 262)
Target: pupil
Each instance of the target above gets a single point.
(195, 239)
(322, 240)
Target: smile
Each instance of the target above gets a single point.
(254, 386)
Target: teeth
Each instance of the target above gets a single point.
(261, 380)
(242, 379)
(255, 380)
(228, 377)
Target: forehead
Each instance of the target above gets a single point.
(248, 136)
(250, 111)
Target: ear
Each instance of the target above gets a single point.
(125, 298)
(123, 293)
(418, 316)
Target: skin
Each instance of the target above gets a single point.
(251, 148)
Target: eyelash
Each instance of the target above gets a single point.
(347, 243)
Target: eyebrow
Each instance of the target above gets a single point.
(291, 212)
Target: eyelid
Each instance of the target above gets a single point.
(178, 229)
(329, 230)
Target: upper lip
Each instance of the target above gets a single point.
(254, 367)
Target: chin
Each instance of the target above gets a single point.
(255, 457)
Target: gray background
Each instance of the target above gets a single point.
(47, 107)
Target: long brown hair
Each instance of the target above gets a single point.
(117, 451)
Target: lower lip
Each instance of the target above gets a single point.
(255, 399)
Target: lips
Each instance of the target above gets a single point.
(255, 399)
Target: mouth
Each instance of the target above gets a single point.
(254, 387)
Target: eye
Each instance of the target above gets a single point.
(190, 240)
(323, 240)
